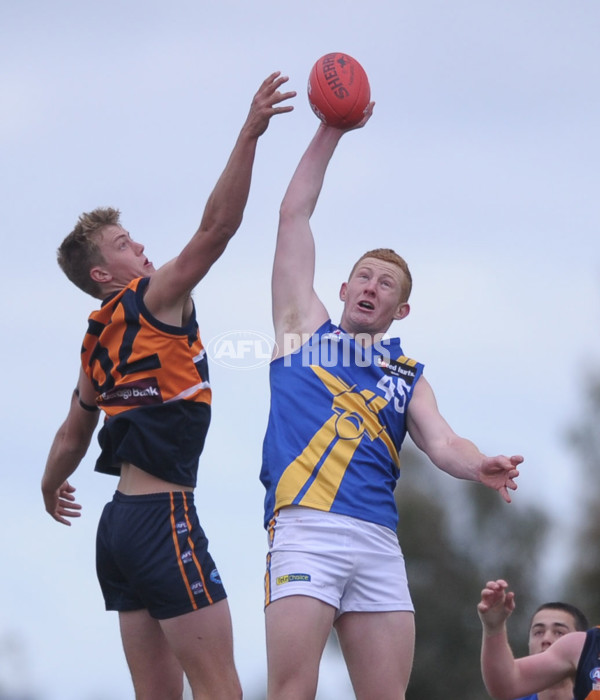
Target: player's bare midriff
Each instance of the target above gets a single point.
(135, 482)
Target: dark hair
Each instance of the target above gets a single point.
(581, 622)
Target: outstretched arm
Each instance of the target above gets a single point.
(172, 283)
(506, 677)
(296, 307)
(68, 449)
(454, 454)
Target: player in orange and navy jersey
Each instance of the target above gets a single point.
(575, 656)
(342, 399)
(144, 366)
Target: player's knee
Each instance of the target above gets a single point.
(222, 686)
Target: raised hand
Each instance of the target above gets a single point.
(267, 103)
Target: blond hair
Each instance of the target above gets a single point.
(388, 255)
(79, 252)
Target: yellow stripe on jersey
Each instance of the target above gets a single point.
(354, 416)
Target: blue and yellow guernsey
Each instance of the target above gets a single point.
(336, 425)
(152, 383)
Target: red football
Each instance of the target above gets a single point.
(338, 90)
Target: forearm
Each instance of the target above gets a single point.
(67, 451)
(498, 666)
(225, 206)
(68, 447)
(63, 460)
(305, 186)
(458, 457)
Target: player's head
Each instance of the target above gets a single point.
(80, 250)
(551, 621)
(376, 292)
(389, 256)
(99, 255)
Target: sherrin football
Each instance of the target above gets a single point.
(338, 90)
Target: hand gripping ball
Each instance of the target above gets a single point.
(338, 90)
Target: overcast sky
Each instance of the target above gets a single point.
(479, 166)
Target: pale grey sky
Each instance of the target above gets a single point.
(479, 167)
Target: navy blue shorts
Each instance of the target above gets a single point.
(151, 553)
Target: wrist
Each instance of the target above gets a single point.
(494, 630)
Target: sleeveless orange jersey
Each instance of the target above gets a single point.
(152, 383)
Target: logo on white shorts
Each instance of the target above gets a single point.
(292, 578)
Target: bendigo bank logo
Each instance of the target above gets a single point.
(142, 392)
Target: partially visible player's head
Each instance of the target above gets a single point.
(80, 251)
(551, 621)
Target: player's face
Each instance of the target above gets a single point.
(546, 627)
(373, 297)
(124, 258)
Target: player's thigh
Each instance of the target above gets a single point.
(203, 642)
(378, 648)
(154, 668)
(297, 628)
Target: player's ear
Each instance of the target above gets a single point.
(100, 275)
(402, 311)
(343, 289)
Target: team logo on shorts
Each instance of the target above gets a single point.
(197, 588)
(186, 557)
(595, 676)
(181, 527)
(292, 578)
(215, 576)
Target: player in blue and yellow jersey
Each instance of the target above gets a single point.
(573, 657)
(343, 398)
(144, 366)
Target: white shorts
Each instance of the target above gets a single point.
(351, 564)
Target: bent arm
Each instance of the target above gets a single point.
(173, 282)
(506, 677)
(68, 449)
(451, 453)
(498, 666)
